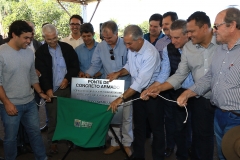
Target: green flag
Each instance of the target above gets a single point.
(84, 123)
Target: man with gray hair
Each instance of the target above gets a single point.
(223, 77)
(111, 54)
(58, 63)
(143, 65)
(171, 58)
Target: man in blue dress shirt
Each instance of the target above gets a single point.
(171, 58)
(85, 50)
(111, 54)
(144, 66)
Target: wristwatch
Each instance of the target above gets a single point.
(121, 96)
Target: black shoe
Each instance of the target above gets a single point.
(168, 152)
(44, 128)
(1, 158)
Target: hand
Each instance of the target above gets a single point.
(87, 75)
(144, 95)
(98, 74)
(11, 109)
(81, 74)
(44, 96)
(154, 92)
(38, 73)
(114, 105)
(112, 76)
(49, 93)
(182, 99)
(64, 84)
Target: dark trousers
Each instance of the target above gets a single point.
(202, 129)
(154, 112)
(179, 132)
(169, 120)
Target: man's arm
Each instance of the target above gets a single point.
(72, 63)
(183, 98)
(162, 77)
(115, 75)
(38, 89)
(96, 63)
(127, 94)
(9, 107)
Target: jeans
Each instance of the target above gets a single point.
(28, 116)
(223, 121)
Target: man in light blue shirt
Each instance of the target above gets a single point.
(85, 50)
(111, 55)
(168, 19)
(144, 66)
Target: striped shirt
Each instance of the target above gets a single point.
(223, 78)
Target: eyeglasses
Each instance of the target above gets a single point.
(112, 56)
(75, 24)
(216, 26)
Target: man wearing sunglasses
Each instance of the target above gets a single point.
(111, 54)
(223, 77)
(74, 39)
(196, 58)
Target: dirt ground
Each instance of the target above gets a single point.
(78, 153)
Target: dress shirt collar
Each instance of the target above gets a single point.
(225, 46)
(95, 44)
(71, 38)
(49, 47)
(213, 42)
(143, 48)
(118, 40)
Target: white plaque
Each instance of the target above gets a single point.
(98, 91)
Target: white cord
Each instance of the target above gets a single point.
(163, 98)
(41, 104)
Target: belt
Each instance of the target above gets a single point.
(237, 114)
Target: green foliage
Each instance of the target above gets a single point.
(144, 26)
(39, 12)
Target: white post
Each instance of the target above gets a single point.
(84, 12)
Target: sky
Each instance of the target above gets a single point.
(137, 11)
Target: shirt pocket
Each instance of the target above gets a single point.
(233, 76)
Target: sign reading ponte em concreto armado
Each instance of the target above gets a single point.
(98, 91)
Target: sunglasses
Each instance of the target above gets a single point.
(112, 56)
(216, 26)
(75, 24)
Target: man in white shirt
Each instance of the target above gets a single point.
(74, 39)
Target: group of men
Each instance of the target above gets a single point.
(155, 63)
